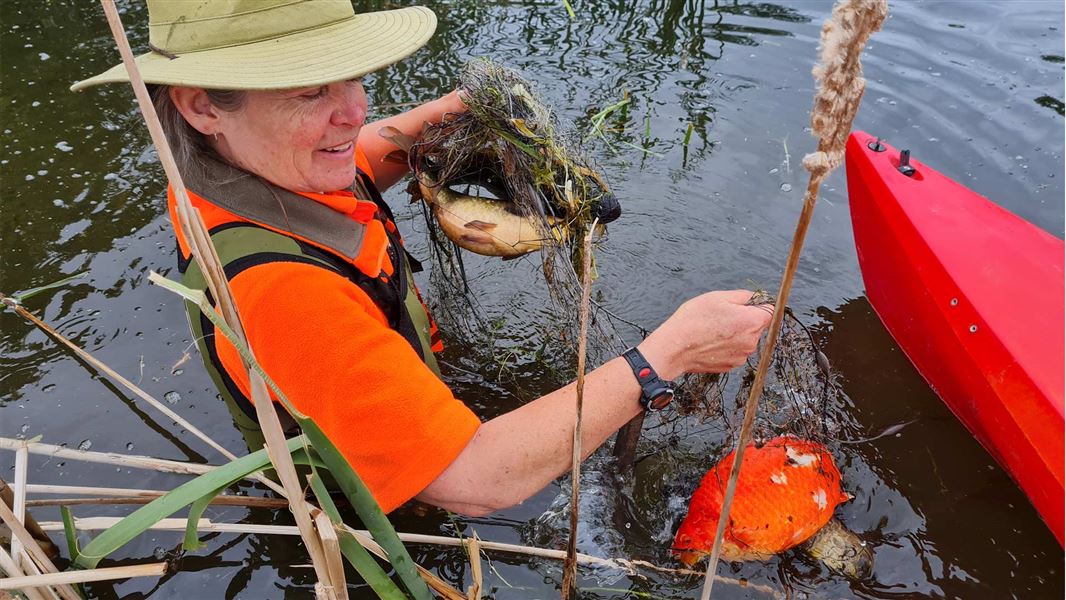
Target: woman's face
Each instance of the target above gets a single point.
(300, 139)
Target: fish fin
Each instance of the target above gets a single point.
(401, 139)
(396, 156)
(475, 239)
(480, 225)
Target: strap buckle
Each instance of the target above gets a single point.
(655, 393)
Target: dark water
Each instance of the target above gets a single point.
(975, 89)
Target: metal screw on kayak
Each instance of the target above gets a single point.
(954, 301)
(905, 163)
(973, 328)
(876, 146)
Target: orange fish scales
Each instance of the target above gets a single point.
(788, 489)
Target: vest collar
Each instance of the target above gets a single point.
(314, 217)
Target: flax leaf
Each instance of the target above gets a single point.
(140, 520)
(347, 479)
(48, 286)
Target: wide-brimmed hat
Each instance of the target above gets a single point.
(270, 44)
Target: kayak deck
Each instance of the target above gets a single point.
(973, 295)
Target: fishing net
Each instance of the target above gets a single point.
(511, 143)
(510, 146)
(800, 395)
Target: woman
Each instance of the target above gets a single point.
(267, 113)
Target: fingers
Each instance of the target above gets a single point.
(736, 296)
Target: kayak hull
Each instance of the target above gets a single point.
(973, 295)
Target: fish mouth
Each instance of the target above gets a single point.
(690, 557)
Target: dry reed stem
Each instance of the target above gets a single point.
(245, 501)
(841, 85)
(111, 458)
(630, 567)
(71, 577)
(279, 455)
(22, 456)
(175, 524)
(135, 496)
(435, 583)
(37, 557)
(7, 563)
(126, 383)
(203, 252)
(7, 495)
(137, 391)
(332, 548)
(569, 586)
(80, 490)
(473, 553)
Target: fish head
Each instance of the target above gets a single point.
(695, 535)
(607, 209)
(861, 566)
(688, 550)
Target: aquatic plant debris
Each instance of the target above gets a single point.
(840, 89)
(511, 144)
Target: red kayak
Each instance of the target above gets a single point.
(973, 294)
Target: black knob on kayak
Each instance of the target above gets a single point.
(905, 163)
(876, 146)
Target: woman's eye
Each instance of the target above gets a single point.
(315, 93)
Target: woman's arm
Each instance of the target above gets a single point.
(516, 454)
(410, 122)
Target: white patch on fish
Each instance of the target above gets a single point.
(800, 535)
(820, 499)
(801, 460)
(779, 478)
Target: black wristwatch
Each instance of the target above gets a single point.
(655, 394)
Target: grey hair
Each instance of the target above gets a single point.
(186, 142)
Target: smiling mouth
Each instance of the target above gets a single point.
(340, 148)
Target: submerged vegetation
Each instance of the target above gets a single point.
(536, 188)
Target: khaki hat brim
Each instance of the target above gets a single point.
(343, 50)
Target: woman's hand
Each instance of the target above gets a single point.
(375, 147)
(712, 333)
(453, 103)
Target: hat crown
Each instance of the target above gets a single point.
(179, 26)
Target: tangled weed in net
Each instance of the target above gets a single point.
(509, 154)
(799, 396)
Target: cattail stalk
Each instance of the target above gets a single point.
(840, 89)
(569, 586)
(203, 252)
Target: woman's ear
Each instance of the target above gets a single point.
(196, 107)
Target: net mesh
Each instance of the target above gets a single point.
(799, 394)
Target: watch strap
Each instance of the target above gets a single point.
(655, 393)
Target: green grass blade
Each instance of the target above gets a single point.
(368, 510)
(70, 532)
(569, 9)
(192, 541)
(357, 555)
(346, 477)
(140, 520)
(48, 286)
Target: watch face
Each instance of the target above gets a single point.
(661, 401)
